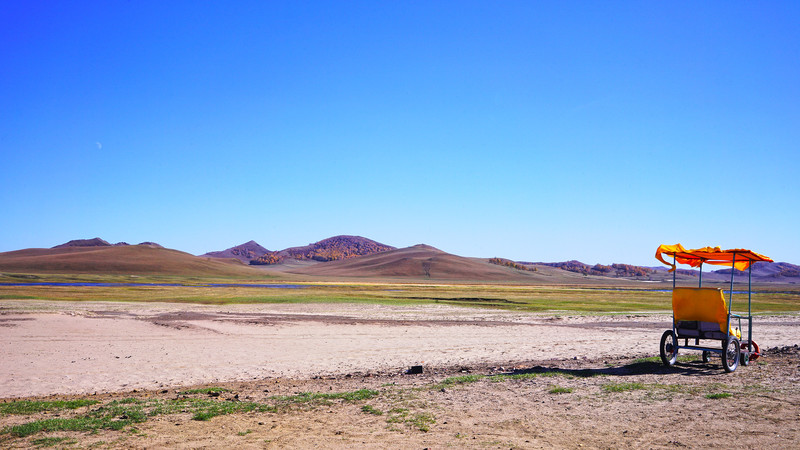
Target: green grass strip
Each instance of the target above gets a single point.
(33, 407)
(313, 397)
(719, 395)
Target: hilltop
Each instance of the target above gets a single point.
(331, 249)
(245, 252)
(97, 242)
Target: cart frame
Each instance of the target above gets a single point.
(734, 349)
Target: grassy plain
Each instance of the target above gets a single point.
(578, 299)
(563, 404)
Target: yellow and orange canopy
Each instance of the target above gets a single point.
(739, 258)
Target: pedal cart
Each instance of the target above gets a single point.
(702, 313)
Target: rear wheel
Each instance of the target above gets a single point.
(669, 348)
(731, 353)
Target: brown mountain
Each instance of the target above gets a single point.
(331, 249)
(95, 242)
(119, 260)
(417, 262)
(244, 252)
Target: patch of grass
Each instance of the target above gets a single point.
(82, 423)
(718, 395)
(53, 441)
(466, 379)
(244, 433)
(585, 373)
(204, 415)
(369, 409)
(622, 387)
(397, 415)
(119, 414)
(649, 359)
(17, 297)
(210, 409)
(33, 407)
(422, 421)
(559, 390)
(324, 397)
(193, 289)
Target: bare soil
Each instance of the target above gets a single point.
(569, 381)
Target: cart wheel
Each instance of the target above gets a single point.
(706, 356)
(730, 354)
(669, 348)
(746, 355)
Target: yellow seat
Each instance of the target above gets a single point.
(703, 305)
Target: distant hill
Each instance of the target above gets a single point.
(418, 262)
(97, 242)
(245, 252)
(614, 270)
(352, 257)
(331, 249)
(144, 259)
(765, 272)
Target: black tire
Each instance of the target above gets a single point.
(731, 353)
(745, 358)
(669, 348)
(706, 356)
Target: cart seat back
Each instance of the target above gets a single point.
(701, 305)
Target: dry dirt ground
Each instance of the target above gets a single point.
(332, 376)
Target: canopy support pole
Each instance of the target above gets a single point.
(674, 276)
(700, 284)
(749, 303)
(674, 271)
(730, 295)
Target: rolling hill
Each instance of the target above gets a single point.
(423, 262)
(350, 257)
(120, 260)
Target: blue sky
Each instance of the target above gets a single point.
(540, 131)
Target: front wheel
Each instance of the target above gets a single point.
(731, 352)
(669, 348)
(744, 359)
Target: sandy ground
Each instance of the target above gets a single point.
(77, 348)
(147, 351)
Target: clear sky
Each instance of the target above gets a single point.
(536, 131)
